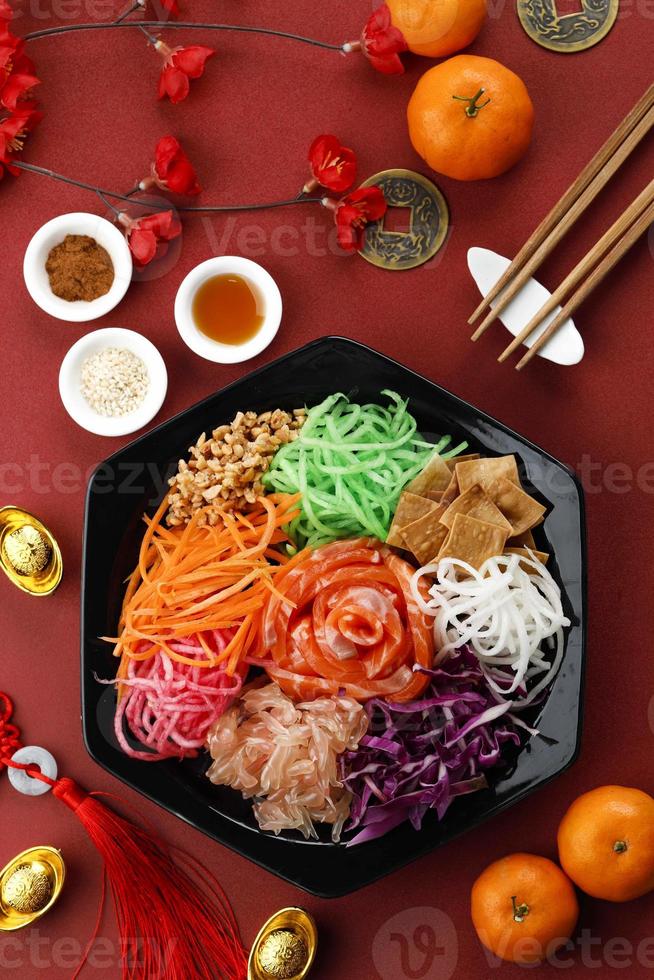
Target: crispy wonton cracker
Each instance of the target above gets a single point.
(486, 470)
(518, 507)
(475, 502)
(524, 540)
(461, 459)
(435, 476)
(425, 536)
(473, 541)
(452, 491)
(410, 507)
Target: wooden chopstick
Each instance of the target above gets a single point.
(567, 219)
(610, 237)
(597, 275)
(591, 169)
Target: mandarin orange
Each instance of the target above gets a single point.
(437, 28)
(523, 908)
(606, 843)
(470, 118)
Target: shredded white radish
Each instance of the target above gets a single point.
(503, 613)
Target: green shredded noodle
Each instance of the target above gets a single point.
(350, 463)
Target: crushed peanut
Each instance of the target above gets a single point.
(226, 470)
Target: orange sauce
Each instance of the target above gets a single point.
(228, 309)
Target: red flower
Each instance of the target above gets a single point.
(180, 65)
(353, 212)
(160, 9)
(144, 235)
(172, 170)
(17, 116)
(333, 166)
(15, 81)
(13, 132)
(382, 43)
(10, 46)
(170, 6)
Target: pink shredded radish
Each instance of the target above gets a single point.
(169, 706)
(285, 755)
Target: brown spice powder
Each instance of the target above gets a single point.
(79, 269)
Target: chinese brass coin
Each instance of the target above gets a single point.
(567, 33)
(428, 225)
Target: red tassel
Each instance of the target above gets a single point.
(174, 919)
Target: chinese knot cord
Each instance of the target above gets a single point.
(9, 734)
(173, 917)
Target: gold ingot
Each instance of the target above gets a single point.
(283, 954)
(29, 886)
(27, 551)
(285, 948)
(27, 889)
(29, 555)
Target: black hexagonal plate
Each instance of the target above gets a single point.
(134, 480)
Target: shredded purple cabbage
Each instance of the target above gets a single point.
(419, 756)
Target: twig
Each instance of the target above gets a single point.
(33, 169)
(151, 38)
(108, 203)
(178, 25)
(130, 10)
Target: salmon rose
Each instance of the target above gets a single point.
(347, 624)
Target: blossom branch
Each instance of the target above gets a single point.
(138, 5)
(151, 38)
(102, 191)
(108, 204)
(168, 25)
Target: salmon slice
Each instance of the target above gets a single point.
(343, 620)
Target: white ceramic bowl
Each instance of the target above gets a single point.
(54, 232)
(210, 349)
(70, 376)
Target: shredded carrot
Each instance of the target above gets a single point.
(197, 578)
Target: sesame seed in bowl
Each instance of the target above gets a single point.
(113, 382)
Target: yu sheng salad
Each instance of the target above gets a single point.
(349, 619)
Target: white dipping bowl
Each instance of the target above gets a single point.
(53, 233)
(260, 280)
(70, 382)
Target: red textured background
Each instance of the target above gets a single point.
(247, 125)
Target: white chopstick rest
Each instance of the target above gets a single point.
(566, 347)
